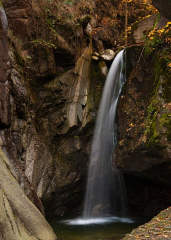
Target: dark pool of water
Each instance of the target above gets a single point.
(103, 229)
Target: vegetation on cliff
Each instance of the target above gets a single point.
(157, 46)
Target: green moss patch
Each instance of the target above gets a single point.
(1, 4)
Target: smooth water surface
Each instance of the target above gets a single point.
(111, 228)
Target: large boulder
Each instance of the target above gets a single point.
(144, 121)
(144, 26)
(19, 218)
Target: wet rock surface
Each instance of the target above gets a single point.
(163, 7)
(136, 109)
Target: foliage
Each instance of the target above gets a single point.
(150, 124)
(70, 2)
(137, 10)
(62, 18)
(158, 121)
(43, 43)
(68, 10)
(157, 47)
(71, 14)
(158, 40)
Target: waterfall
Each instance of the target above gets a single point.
(105, 188)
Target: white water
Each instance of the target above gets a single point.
(105, 188)
(98, 221)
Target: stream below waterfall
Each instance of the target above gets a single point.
(73, 228)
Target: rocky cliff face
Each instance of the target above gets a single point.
(37, 108)
(50, 94)
(143, 118)
(143, 111)
(143, 114)
(19, 216)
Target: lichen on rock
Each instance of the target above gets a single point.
(144, 136)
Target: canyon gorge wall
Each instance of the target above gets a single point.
(50, 92)
(50, 88)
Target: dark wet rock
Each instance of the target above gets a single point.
(139, 116)
(164, 7)
(5, 104)
(20, 207)
(26, 23)
(143, 149)
(3, 46)
(4, 72)
(146, 197)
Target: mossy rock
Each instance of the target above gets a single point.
(1, 4)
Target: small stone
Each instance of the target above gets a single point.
(97, 54)
(95, 58)
(108, 55)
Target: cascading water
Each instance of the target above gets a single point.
(105, 183)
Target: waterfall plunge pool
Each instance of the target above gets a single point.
(104, 183)
(109, 228)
